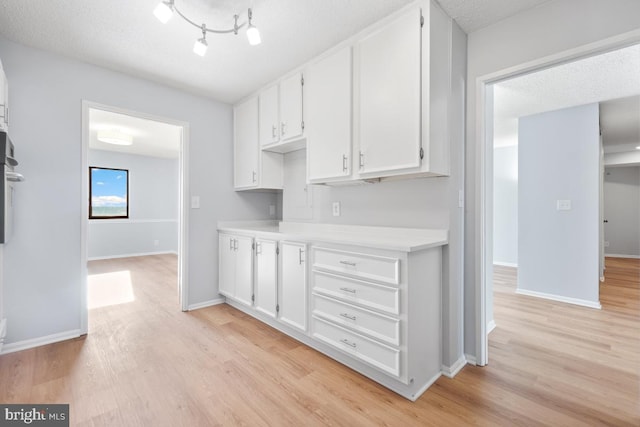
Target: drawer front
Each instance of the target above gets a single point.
(375, 325)
(383, 357)
(368, 295)
(370, 267)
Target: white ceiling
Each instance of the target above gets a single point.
(610, 76)
(150, 138)
(124, 35)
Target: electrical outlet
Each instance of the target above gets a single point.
(336, 208)
(606, 244)
(563, 205)
(156, 243)
(195, 202)
(272, 210)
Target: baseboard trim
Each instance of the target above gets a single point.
(40, 341)
(98, 258)
(471, 360)
(505, 264)
(622, 256)
(491, 326)
(424, 388)
(204, 304)
(559, 298)
(452, 371)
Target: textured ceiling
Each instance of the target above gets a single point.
(472, 15)
(605, 77)
(123, 35)
(150, 138)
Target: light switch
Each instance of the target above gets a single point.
(195, 202)
(563, 205)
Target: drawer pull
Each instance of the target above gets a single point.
(350, 290)
(347, 316)
(352, 264)
(349, 343)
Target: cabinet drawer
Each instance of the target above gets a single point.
(379, 355)
(371, 267)
(368, 295)
(375, 325)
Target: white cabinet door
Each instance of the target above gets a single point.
(226, 265)
(244, 270)
(328, 127)
(389, 99)
(246, 148)
(293, 285)
(291, 107)
(269, 121)
(266, 288)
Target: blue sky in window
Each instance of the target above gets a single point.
(108, 187)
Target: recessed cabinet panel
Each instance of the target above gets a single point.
(246, 148)
(293, 285)
(244, 269)
(269, 123)
(389, 99)
(291, 107)
(226, 265)
(328, 127)
(266, 288)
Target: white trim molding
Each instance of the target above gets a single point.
(471, 359)
(40, 341)
(97, 258)
(452, 371)
(204, 304)
(129, 221)
(505, 264)
(559, 298)
(491, 325)
(622, 256)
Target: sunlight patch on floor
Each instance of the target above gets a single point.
(109, 289)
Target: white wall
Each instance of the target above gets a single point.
(549, 29)
(505, 206)
(622, 210)
(559, 159)
(42, 262)
(154, 198)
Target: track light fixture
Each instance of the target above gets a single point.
(164, 11)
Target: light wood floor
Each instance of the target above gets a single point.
(146, 363)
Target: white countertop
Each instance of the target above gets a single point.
(391, 238)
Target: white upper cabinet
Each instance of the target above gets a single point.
(328, 111)
(269, 117)
(253, 168)
(4, 101)
(389, 96)
(291, 120)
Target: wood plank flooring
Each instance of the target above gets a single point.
(144, 363)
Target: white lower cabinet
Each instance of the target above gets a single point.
(266, 280)
(293, 285)
(236, 267)
(377, 311)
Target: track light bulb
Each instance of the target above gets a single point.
(200, 47)
(164, 11)
(253, 35)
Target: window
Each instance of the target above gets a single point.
(108, 193)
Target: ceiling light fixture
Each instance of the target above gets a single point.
(114, 137)
(638, 147)
(164, 12)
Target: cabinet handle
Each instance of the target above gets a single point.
(235, 244)
(300, 252)
(282, 128)
(350, 290)
(347, 342)
(361, 160)
(273, 131)
(344, 163)
(230, 244)
(254, 176)
(352, 264)
(347, 316)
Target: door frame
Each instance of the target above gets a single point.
(183, 211)
(484, 168)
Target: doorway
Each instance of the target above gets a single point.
(485, 104)
(134, 189)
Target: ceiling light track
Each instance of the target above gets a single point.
(164, 12)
